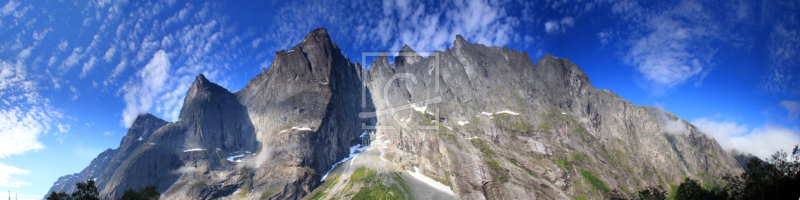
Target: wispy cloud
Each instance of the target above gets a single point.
(793, 108)
(110, 53)
(388, 25)
(7, 181)
(9, 8)
(784, 48)
(21, 128)
(88, 66)
(669, 45)
(146, 87)
(75, 92)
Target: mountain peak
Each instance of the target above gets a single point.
(406, 48)
(407, 56)
(144, 117)
(201, 78)
(459, 41)
(319, 35)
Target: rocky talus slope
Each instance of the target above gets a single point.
(469, 122)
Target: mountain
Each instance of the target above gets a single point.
(470, 122)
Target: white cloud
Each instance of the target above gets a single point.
(110, 53)
(784, 48)
(675, 127)
(551, 26)
(256, 42)
(559, 26)
(24, 54)
(88, 66)
(183, 170)
(605, 37)
(5, 176)
(422, 26)
(75, 92)
(72, 60)
(63, 128)
(40, 35)
(668, 46)
(20, 129)
(14, 78)
(793, 108)
(9, 8)
(150, 81)
(762, 141)
(119, 68)
(63, 45)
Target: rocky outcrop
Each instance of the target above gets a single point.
(470, 122)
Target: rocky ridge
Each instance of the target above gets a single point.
(474, 122)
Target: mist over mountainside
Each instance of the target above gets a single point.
(469, 122)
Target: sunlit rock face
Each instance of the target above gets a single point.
(469, 122)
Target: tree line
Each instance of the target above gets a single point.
(88, 191)
(776, 178)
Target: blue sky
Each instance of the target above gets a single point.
(74, 74)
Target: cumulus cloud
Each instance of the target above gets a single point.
(761, 141)
(148, 84)
(7, 181)
(793, 108)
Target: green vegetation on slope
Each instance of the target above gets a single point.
(594, 181)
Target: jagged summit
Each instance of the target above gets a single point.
(460, 41)
(145, 118)
(406, 48)
(318, 35)
(201, 92)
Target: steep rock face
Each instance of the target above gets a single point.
(507, 128)
(213, 125)
(305, 108)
